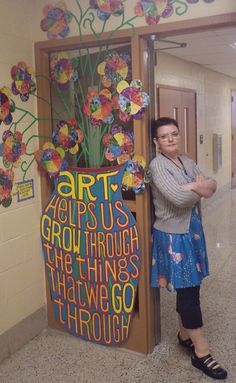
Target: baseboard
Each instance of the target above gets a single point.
(17, 336)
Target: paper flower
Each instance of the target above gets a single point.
(106, 8)
(6, 184)
(13, 148)
(114, 68)
(132, 101)
(50, 159)
(23, 84)
(7, 106)
(135, 175)
(196, 1)
(99, 107)
(67, 135)
(119, 145)
(56, 20)
(63, 69)
(153, 10)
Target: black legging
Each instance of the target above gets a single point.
(188, 307)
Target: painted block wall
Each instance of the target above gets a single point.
(213, 107)
(22, 289)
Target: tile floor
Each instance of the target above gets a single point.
(55, 357)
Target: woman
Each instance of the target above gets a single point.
(179, 252)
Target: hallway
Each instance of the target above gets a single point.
(56, 357)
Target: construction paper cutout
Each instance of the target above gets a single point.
(63, 70)
(106, 8)
(6, 185)
(7, 106)
(50, 160)
(23, 83)
(13, 148)
(153, 10)
(114, 68)
(119, 145)
(136, 175)
(56, 20)
(67, 135)
(132, 100)
(99, 107)
(196, 1)
(92, 255)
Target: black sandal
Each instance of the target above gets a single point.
(209, 366)
(185, 343)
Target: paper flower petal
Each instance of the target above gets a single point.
(56, 21)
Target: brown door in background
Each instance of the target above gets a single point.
(233, 150)
(180, 104)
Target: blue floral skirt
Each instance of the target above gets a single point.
(179, 260)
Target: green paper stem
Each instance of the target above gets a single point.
(47, 102)
(26, 170)
(180, 9)
(17, 122)
(36, 136)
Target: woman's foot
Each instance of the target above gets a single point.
(209, 366)
(187, 343)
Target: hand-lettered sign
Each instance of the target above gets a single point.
(25, 190)
(92, 254)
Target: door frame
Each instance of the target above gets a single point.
(145, 332)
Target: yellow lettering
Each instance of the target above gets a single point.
(67, 188)
(85, 181)
(104, 177)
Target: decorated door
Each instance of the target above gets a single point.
(129, 317)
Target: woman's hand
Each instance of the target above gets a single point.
(189, 186)
(203, 187)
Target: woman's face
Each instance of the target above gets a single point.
(167, 139)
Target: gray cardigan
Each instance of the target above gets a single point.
(173, 205)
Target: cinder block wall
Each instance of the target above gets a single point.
(22, 286)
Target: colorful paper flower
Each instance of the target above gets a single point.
(23, 84)
(119, 145)
(152, 9)
(6, 185)
(67, 135)
(135, 175)
(106, 8)
(114, 68)
(132, 101)
(50, 159)
(196, 1)
(63, 69)
(56, 20)
(99, 107)
(7, 106)
(13, 148)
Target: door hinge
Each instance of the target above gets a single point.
(232, 99)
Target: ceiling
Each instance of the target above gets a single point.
(213, 49)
